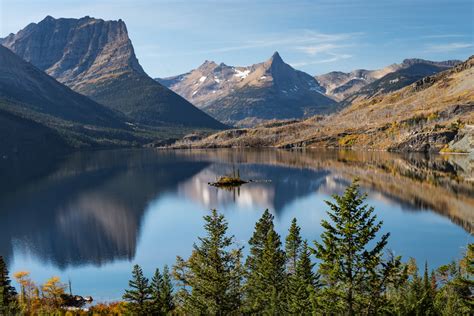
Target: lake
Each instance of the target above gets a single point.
(89, 216)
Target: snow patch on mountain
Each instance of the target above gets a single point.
(241, 74)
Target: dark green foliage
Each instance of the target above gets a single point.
(354, 275)
(7, 291)
(292, 247)
(139, 294)
(211, 278)
(161, 290)
(302, 285)
(266, 276)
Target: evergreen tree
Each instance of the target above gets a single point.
(302, 285)
(161, 293)
(156, 288)
(353, 273)
(139, 294)
(7, 291)
(167, 292)
(427, 301)
(266, 276)
(293, 247)
(258, 240)
(212, 272)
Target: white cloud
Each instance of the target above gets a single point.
(300, 40)
(448, 47)
(313, 50)
(332, 58)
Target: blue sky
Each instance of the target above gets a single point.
(172, 37)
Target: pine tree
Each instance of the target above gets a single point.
(426, 303)
(348, 267)
(161, 293)
(292, 247)
(7, 291)
(139, 294)
(302, 285)
(266, 276)
(212, 272)
(156, 288)
(167, 292)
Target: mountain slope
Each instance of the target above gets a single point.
(96, 58)
(21, 137)
(250, 95)
(435, 113)
(361, 83)
(36, 93)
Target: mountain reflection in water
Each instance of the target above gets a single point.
(89, 207)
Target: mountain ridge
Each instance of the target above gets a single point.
(347, 86)
(96, 58)
(248, 95)
(433, 114)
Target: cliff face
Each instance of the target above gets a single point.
(249, 95)
(96, 58)
(76, 51)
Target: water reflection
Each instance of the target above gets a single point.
(89, 207)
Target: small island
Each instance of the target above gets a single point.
(229, 181)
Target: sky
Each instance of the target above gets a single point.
(316, 36)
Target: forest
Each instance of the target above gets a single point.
(348, 270)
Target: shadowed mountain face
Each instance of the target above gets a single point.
(246, 96)
(363, 83)
(96, 58)
(34, 93)
(23, 139)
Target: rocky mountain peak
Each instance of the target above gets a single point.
(274, 61)
(96, 58)
(61, 52)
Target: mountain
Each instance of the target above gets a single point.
(246, 96)
(29, 95)
(96, 58)
(33, 91)
(21, 137)
(363, 84)
(435, 113)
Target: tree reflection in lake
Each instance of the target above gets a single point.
(90, 208)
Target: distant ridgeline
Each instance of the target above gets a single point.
(432, 114)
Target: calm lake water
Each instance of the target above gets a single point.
(90, 216)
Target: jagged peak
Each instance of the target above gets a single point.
(208, 62)
(276, 58)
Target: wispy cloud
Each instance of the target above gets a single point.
(313, 50)
(444, 36)
(307, 41)
(448, 47)
(333, 58)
